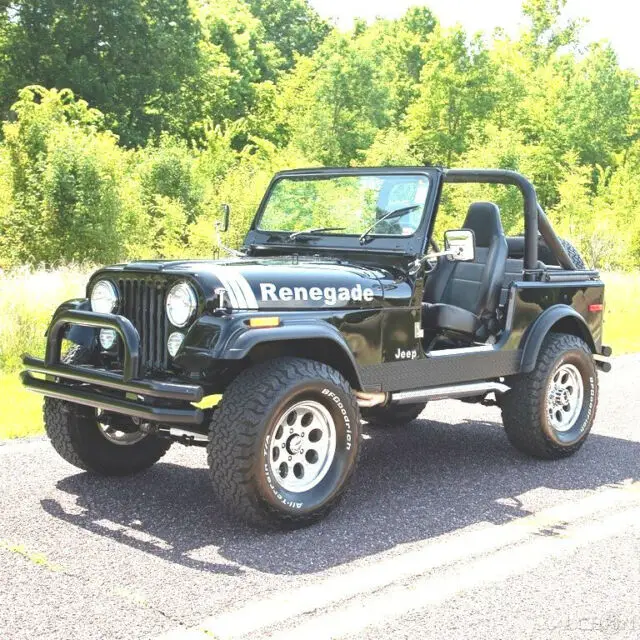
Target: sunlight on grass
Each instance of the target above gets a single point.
(622, 312)
(20, 410)
(27, 301)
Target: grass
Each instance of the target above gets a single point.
(622, 312)
(20, 410)
(27, 300)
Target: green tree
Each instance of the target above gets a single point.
(547, 34)
(333, 103)
(129, 58)
(293, 26)
(455, 97)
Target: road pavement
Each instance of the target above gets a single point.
(447, 532)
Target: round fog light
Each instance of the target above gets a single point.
(107, 338)
(174, 343)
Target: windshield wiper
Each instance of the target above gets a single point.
(310, 232)
(396, 213)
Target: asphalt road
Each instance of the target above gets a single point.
(447, 533)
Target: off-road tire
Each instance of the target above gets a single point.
(524, 411)
(574, 254)
(239, 445)
(74, 433)
(394, 415)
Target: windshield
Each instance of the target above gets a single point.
(352, 203)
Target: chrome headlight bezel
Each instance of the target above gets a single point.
(104, 297)
(181, 304)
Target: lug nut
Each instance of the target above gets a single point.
(290, 458)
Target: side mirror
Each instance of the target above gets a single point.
(223, 225)
(460, 245)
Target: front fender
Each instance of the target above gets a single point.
(85, 336)
(224, 338)
(559, 313)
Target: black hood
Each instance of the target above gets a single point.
(272, 283)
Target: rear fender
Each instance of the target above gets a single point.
(560, 318)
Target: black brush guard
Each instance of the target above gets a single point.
(107, 390)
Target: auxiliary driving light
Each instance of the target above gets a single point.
(174, 343)
(107, 338)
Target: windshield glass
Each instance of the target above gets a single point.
(300, 203)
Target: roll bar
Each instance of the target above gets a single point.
(534, 217)
(553, 242)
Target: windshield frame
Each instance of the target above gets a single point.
(413, 242)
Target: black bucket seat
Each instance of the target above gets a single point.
(463, 296)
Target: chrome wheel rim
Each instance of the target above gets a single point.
(564, 398)
(302, 446)
(118, 436)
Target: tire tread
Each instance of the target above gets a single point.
(521, 405)
(238, 423)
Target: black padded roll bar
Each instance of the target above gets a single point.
(503, 176)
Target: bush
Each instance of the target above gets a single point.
(63, 174)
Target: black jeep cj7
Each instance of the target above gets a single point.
(340, 307)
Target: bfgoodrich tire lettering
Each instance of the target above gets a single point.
(525, 408)
(241, 437)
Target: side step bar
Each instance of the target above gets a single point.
(451, 391)
(467, 390)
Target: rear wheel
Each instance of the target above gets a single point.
(393, 415)
(548, 413)
(284, 442)
(109, 445)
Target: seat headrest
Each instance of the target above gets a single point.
(483, 218)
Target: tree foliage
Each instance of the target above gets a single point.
(127, 123)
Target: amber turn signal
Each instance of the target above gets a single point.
(262, 322)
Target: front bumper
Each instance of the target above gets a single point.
(152, 400)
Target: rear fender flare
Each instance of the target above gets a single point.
(543, 325)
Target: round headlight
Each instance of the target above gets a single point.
(104, 297)
(181, 304)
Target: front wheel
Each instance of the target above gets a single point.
(548, 413)
(284, 442)
(108, 445)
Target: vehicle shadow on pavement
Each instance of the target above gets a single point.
(413, 483)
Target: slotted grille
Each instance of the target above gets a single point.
(143, 304)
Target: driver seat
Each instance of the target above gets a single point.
(462, 297)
